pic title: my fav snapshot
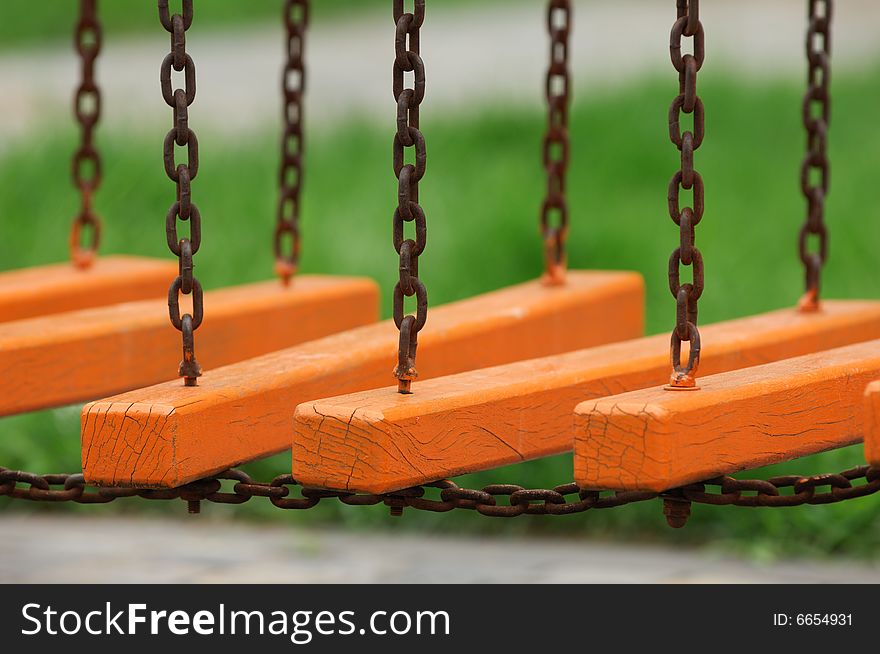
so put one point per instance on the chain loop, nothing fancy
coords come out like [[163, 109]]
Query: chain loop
[[556, 145], [817, 97], [85, 231], [687, 101], [167, 20], [407, 59], [182, 175]]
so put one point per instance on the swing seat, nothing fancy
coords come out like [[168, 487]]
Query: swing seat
[[379, 441], [872, 424], [54, 288], [656, 439], [168, 435], [79, 356]]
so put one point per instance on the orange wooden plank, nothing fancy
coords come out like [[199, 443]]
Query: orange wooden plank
[[168, 435], [655, 439], [81, 355], [44, 290], [380, 441], [872, 424]]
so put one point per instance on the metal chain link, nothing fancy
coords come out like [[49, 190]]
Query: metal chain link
[[182, 174], [556, 142], [816, 116], [86, 163], [686, 254], [520, 500], [408, 60], [293, 80]]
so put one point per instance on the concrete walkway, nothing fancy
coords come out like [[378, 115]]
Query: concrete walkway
[[40, 549], [491, 54]]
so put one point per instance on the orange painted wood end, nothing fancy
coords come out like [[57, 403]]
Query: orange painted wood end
[[655, 439], [872, 424], [56, 288], [82, 355], [168, 435], [380, 441]]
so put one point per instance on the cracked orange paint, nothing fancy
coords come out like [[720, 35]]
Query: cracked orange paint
[[498, 416], [655, 440], [245, 411]]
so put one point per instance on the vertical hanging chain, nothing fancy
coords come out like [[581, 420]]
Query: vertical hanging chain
[[556, 142], [816, 117], [407, 59], [296, 18], [686, 295], [182, 174], [86, 164]]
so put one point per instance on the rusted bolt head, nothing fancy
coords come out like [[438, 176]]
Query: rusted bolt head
[[677, 512]]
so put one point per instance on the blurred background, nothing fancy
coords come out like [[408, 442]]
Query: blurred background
[[483, 118]]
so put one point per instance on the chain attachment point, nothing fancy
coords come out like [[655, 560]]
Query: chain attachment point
[[683, 377], [556, 144], [815, 162], [407, 101], [286, 240], [183, 208]]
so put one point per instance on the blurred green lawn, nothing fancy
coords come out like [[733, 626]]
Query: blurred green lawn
[[481, 193]]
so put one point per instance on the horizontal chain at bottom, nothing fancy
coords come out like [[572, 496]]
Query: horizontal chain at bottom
[[790, 490]]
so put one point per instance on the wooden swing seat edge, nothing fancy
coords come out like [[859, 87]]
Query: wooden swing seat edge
[[872, 423], [379, 441], [247, 408], [655, 439], [60, 287], [80, 355]]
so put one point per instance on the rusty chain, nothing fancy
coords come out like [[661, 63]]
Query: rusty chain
[[293, 80], [182, 174], [686, 254], [556, 141], [817, 97], [784, 491], [86, 163], [408, 60]]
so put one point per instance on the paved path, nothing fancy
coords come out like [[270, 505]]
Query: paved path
[[481, 54], [124, 550]]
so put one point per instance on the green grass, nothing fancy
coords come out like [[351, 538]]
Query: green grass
[[481, 194]]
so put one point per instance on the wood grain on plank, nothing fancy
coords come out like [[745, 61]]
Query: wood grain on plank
[[167, 435], [380, 441], [81, 355], [872, 423], [44, 290], [655, 439]]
